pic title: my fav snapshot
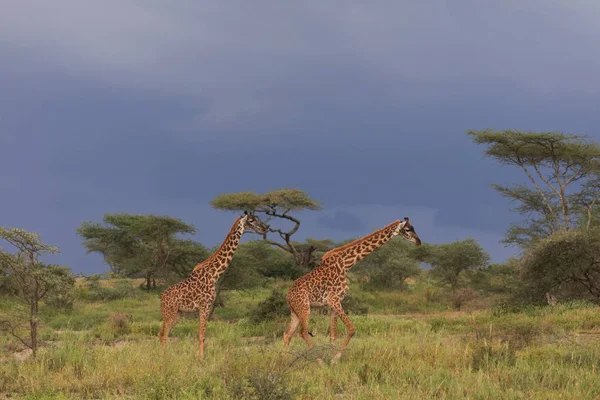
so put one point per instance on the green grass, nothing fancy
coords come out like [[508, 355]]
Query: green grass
[[537, 353]]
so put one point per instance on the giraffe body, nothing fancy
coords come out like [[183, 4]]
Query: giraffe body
[[327, 284], [197, 292]]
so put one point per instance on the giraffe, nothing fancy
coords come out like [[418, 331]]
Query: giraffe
[[197, 291], [327, 285]]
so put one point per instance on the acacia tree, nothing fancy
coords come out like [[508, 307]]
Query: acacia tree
[[278, 205], [390, 265], [449, 261], [146, 245], [31, 280], [562, 187]]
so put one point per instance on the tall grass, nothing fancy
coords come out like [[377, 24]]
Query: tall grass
[[109, 349]]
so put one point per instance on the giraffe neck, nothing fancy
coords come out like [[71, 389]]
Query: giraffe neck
[[218, 262], [353, 252]]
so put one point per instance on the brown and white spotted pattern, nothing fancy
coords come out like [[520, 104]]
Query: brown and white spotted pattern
[[197, 293], [327, 285]]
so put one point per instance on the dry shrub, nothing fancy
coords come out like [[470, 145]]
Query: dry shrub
[[120, 322], [463, 296]]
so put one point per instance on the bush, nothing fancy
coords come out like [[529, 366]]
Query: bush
[[463, 296], [262, 382], [61, 301], [94, 291], [354, 305], [120, 323], [273, 307], [565, 264]]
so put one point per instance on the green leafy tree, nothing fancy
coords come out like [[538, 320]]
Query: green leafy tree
[[32, 280], [450, 261], [562, 181], [144, 245], [268, 261], [389, 266], [498, 278], [277, 206]]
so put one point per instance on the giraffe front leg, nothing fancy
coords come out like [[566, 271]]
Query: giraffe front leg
[[337, 307], [332, 327], [204, 314]]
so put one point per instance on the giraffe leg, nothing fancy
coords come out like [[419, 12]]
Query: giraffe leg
[[337, 307], [332, 327], [204, 314], [289, 332], [303, 316], [170, 317]]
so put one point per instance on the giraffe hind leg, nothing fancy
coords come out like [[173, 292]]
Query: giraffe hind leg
[[332, 327], [291, 329], [304, 316], [300, 313], [170, 317]]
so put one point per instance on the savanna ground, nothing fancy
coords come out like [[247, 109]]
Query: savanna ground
[[409, 345]]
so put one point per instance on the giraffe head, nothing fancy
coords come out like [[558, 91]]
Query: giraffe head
[[408, 232], [254, 224]]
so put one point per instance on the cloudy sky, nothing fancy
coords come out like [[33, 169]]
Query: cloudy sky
[[156, 107]]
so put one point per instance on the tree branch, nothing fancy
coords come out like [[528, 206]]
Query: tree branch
[[6, 326], [539, 189], [278, 245]]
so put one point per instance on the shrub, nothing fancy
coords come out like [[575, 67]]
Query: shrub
[[94, 291], [273, 307], [120, 323], [463, 296], [62, 301], [354, 305]]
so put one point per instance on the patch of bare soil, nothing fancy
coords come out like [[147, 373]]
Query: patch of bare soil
[[119, 344], [23, 354]]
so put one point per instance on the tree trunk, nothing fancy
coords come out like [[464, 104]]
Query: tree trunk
[[305, 259], [33, 323], [148, 281]]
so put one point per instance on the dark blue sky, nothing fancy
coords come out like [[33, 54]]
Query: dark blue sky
[[144, 107]]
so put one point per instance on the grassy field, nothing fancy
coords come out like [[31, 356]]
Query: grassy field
[[407, 347]]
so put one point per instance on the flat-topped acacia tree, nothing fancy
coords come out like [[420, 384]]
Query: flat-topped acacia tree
[[279, 204], [563, 176]]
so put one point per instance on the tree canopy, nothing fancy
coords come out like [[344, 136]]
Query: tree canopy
[[278, 204], [31, 280], [144, 245], [562, 175], [389, 266], [450, 260]]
